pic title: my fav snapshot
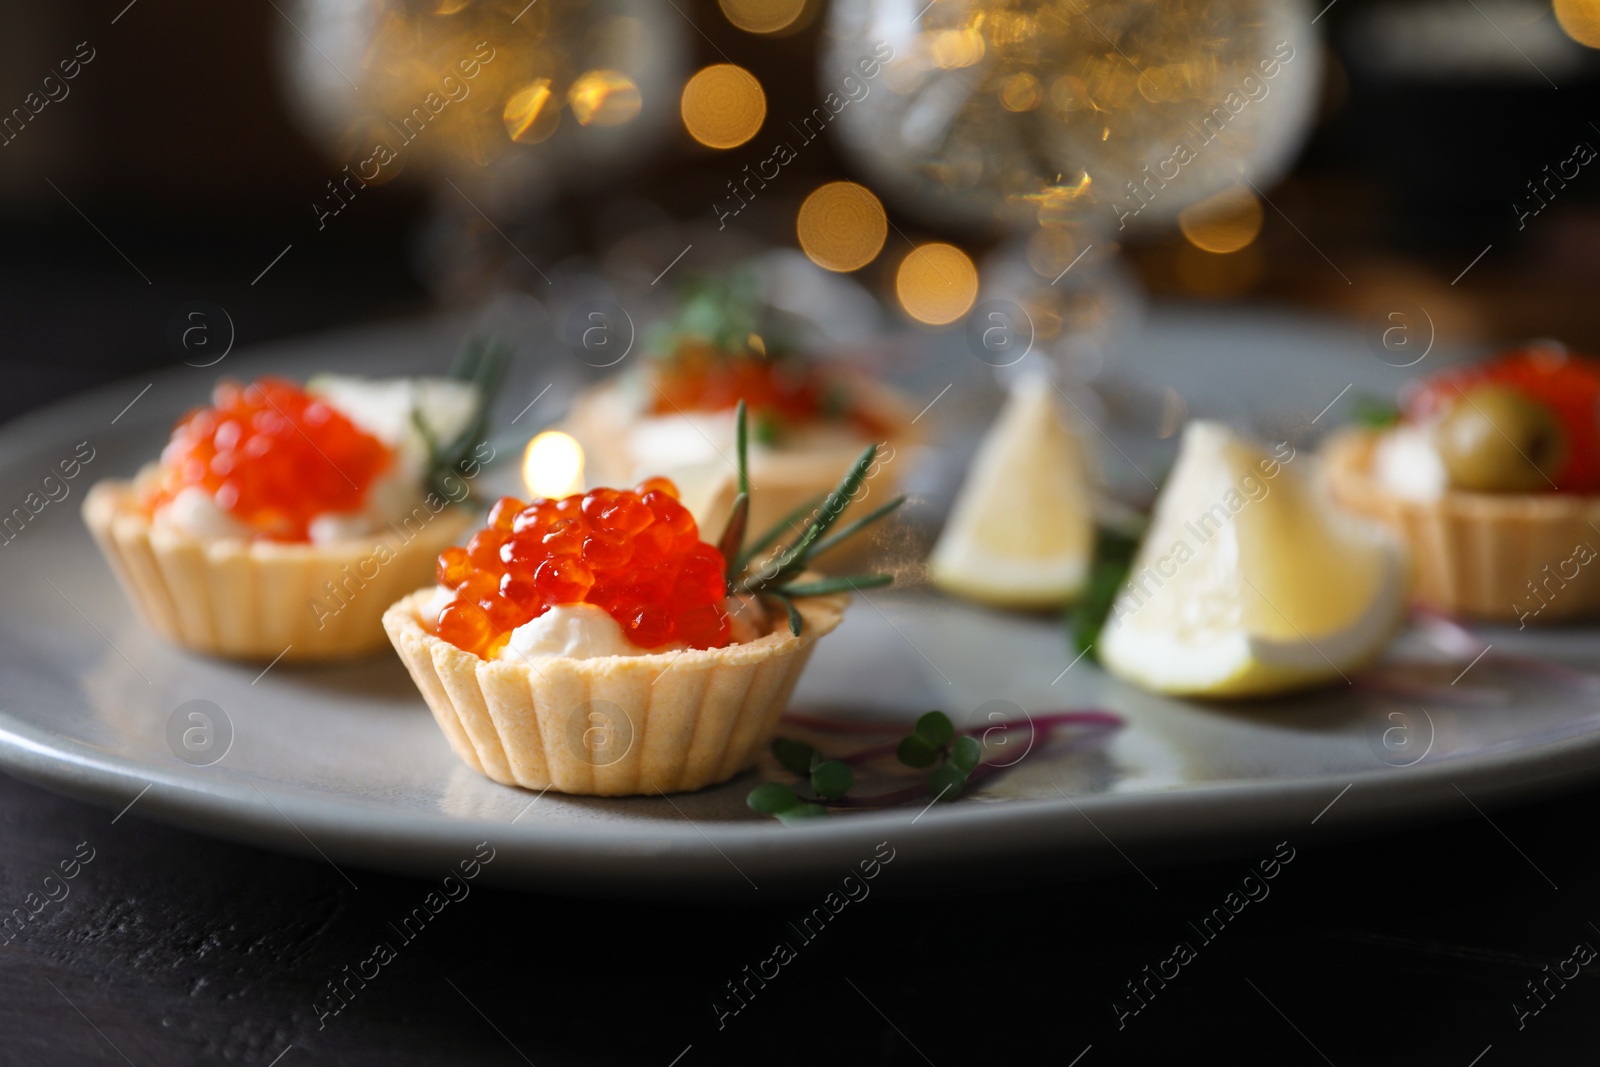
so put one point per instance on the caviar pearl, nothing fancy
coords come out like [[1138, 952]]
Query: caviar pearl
[[635, 554]]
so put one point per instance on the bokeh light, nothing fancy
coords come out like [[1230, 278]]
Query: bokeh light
[[1021, 92], [936, 283], [723, 106], [552, 466], [954, 49], [604, 98], [842, 226], [532, 113], [1218, 277], [1581, 20], [1051, 250], [1225, 222], [762, 16]]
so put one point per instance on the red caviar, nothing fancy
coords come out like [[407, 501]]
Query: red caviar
[[635, 553], [1569, 385], [273, 456], [793, 391]]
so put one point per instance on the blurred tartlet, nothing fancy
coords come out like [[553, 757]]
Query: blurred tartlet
[[673, 415], [1492, 477], [282, 520]]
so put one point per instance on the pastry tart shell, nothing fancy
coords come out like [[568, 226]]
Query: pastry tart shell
[[1501, 557], [255, 600], [783, 479], [611, 725]]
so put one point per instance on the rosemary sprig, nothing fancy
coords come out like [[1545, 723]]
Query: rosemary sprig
[[731, 543], [776, 577], [768, 539], [795, 621], [733, 534], [481, 362], [824, 586], [792, 559], [856, 527], [742, 447]]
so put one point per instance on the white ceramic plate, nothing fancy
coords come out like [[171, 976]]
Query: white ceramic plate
[[345, 761]]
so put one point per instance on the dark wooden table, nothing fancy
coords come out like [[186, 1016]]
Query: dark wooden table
[[1413, 948]]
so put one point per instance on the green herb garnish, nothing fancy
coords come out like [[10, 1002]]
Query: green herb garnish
[[933, 743], [722, 312], [776, 576], [1373, 413], [769, 430], [1114, 552], [482, 362], [933, 746]]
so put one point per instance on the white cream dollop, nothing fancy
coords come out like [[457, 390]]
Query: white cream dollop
[[1407, 462], [680, 439], [575, 631], [442, 598], [332, 527], [195, 513]]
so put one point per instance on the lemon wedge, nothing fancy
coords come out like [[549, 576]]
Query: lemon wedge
[[1250, 582], [1022, 529]]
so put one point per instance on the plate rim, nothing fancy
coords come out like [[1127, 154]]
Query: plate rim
[[595, 855]]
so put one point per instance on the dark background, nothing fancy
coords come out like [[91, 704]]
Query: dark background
[[176, 142], [1406, 948], [1409, 948]]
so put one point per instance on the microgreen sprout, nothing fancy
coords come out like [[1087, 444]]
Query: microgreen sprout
[[947, 760]]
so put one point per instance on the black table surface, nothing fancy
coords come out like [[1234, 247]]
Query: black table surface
[[1465, 942]]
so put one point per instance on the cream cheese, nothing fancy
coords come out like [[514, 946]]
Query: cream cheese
[[575, 631], [1407, 462], [195, 513]]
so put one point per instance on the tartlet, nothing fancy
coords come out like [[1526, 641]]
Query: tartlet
[[621, 437], [595, 645], [1492, 478], [281, 521], [1520, 557], [255, 599], [610, 725], [673, 414]]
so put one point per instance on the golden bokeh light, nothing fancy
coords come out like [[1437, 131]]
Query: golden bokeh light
[[953, 49], [842, 226], [1211, 276], [762, 16], [723, 106], [450, 7], [936, 283], [531, 113], [552, 466], [1070, 93], [1021, 92], [1581, 20], [604, 98], [1225, 222], [1052, 250]]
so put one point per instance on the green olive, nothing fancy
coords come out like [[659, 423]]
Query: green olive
[[1497, 440]]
